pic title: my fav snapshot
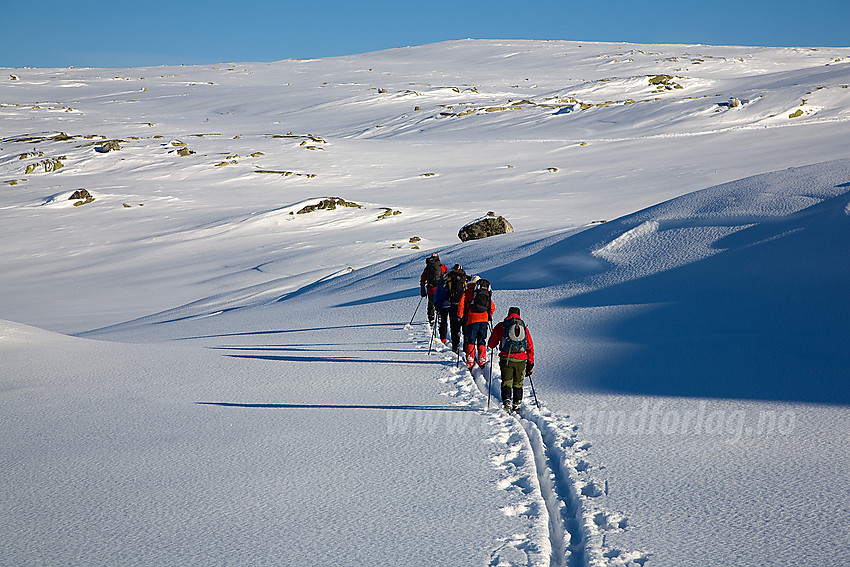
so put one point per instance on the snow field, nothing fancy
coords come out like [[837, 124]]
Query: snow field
[[273, 409], [140, 456]]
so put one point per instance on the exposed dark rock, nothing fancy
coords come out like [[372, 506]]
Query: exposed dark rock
[[108, 147], [328, 204], [482, 228], [82, 197], [388, 212], [48, 165]]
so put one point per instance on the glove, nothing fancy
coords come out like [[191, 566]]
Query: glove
[[529, 367], [422, 292]]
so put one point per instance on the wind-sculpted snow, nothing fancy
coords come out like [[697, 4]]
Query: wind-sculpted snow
[[723, 219], [746, 280]]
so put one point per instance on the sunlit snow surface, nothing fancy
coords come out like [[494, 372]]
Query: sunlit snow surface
[[193, 373]]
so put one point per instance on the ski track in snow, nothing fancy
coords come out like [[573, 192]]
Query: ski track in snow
[[543, 466]]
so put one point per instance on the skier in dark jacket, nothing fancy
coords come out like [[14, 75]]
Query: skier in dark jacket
[[429, 280], [455, 287], [516, 356], [443, 305]]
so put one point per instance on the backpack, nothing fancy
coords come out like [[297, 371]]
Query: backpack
[[433, 270], [514, 337], [441, 295], [480, 297], [455, 285]]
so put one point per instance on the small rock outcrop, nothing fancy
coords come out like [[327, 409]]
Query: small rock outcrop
[[108, 147], [490, 225], [82, 197], [48, 165], [329, 204]]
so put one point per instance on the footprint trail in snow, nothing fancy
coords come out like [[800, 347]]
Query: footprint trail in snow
[[544, 470]]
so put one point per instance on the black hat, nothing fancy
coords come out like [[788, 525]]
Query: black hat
[[513, 311], [457, 267]]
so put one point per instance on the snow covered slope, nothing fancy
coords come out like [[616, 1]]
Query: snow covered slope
[[543, 133], [275, 409]]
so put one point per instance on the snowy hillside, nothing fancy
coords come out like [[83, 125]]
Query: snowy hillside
[[199, 369]]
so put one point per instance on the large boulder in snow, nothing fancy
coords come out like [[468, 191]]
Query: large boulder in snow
[[484, 227]]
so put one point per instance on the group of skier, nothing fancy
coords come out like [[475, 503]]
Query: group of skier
[[457, 304]]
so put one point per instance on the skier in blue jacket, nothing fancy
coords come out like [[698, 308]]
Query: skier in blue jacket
[[442, 303]]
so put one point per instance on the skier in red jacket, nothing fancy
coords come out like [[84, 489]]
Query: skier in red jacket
[[516, 356]]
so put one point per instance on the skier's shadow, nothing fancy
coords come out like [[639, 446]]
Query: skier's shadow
[[345, 359], [338, 406], [316, 348], [288, 331]]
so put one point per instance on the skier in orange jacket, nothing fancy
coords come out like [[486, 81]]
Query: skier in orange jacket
[[476, 308]]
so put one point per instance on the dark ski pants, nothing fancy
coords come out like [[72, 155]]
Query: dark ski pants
[[443, 319], [431, 308], [455, 324], [513, 372], [476, 333]]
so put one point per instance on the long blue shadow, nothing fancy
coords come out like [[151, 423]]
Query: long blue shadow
[[287, 331], [345, 359], [381, 298], [338, 406], [766, 318], [314, 348]]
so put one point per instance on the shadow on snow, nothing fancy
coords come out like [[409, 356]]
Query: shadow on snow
[[339, 406], [766, 318], [345, 359], [287, 331]]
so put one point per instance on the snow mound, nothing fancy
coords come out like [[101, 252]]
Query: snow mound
[[626, 239], [736, 291]]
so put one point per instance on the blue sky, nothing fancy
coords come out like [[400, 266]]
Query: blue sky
[[156, 32]]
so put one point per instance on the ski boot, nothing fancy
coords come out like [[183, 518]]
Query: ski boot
[[470, 356], [506, 399], [482, 356], [517, 399]]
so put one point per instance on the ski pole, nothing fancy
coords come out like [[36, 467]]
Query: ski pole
[[533, 392], [461, 339], [490, 378], [415, 310], [433, 334]]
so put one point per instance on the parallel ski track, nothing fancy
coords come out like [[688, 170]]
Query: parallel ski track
[[570, 535], [569, 531]]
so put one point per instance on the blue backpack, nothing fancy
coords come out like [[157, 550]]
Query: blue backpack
[[442, 298]]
